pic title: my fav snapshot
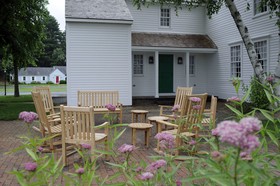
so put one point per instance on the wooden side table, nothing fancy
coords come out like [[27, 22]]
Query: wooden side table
[[140, 115], [153, 119], [140, 126]]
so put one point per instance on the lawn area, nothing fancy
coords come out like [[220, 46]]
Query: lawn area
[[11, 106], [29, 87]]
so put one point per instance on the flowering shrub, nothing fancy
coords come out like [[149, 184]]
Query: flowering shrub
[[28, 117]]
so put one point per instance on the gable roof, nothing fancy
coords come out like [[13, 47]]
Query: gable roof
[[40, 71], [146, 39], [97, 9]]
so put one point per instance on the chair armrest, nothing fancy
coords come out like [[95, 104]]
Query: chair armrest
[[160, 123], [104, 125]]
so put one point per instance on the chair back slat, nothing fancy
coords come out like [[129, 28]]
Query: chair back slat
[[192, 112], [180, 93], [47, 98], [77, 124]]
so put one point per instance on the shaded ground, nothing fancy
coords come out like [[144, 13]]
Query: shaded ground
[[11, 130]]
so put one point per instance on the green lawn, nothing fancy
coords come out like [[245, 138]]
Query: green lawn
[[11, 106], [29, 87]]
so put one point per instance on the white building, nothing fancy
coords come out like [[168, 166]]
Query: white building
[[149, 52], [42, 74]]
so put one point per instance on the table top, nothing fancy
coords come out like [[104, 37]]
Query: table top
[[139, 111], [140, 125], [154, 118]]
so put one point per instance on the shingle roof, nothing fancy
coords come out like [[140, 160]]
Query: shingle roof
[[40, 71], [172, 40], [97, 9]]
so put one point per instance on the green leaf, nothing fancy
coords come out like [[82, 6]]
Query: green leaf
[[32, 154], [268, 95], [237, 112], [272, 137], [119, 135], [267, 115]]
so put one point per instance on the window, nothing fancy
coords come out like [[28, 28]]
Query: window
[[44, 78], [33, 78], [165, 17], [191, 66], [138, 64], [235, 61], [24, 78], [261, 49], [259, 7]]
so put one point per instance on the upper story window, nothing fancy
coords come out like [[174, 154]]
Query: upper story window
[[165, 17], [235, 61], [138, 64], [191, 66], [259, 7], [261, 49]]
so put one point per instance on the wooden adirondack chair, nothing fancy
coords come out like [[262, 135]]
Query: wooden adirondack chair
[[180, 93], [189, 117]]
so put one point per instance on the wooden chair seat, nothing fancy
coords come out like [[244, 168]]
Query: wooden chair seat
[[98, 137], [175, 131]]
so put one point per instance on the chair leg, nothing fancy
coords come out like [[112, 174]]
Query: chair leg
[[106, 149], [92, 156], [121, 117], [64, 154]]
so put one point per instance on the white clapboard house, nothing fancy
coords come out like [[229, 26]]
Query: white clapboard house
[[42, 74], [150, 52]]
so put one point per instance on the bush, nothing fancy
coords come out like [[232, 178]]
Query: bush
[[35, 82], [62, 82], [49, 82], [257, 95]]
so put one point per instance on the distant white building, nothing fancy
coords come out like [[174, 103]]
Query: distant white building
[[42, 74]]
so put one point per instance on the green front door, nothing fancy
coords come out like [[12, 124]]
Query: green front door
[[165, 74]]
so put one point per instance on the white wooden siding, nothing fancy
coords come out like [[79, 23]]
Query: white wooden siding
[[222, 30], [187, 22], [98, 58]]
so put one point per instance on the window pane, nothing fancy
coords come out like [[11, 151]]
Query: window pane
[[261, 49], [165, 17], [235, 66], [138, 64]]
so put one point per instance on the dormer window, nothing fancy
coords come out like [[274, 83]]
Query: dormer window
[[165, 17], [259, 7]]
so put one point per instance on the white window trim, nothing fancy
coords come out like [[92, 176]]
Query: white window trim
[[256, 15], [241, 60], [267, 48], [138, 75], [194, 69], [169, 17]]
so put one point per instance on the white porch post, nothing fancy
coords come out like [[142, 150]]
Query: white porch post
[[187, 69], [156, 74]]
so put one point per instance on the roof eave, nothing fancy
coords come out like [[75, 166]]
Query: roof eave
[[91, 20]]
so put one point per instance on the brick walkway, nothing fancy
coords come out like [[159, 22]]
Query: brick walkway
[[11, 130]]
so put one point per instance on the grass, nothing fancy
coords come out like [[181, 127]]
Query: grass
[[29, 87], [11, 106]]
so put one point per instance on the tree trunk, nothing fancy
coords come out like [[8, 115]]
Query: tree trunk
[[16, 91], [243, 30]]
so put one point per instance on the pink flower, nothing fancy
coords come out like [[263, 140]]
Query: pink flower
[[40, 149], [139, 169], [110, 107], [192, 142], [178, 183], [239, 134], [216, 154], [270, 79], [195, 99], [80, 170], [146, 176], [126, 148], [196, 107], [166, 140], [30, 166], [234, 98], [250, 124], [175, 108], [156, 165], [28, 117], [86, 146]]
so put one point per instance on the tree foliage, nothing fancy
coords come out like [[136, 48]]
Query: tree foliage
[[54, 45], [22, 31]]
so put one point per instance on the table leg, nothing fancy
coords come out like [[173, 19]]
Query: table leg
[[134, 137]]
